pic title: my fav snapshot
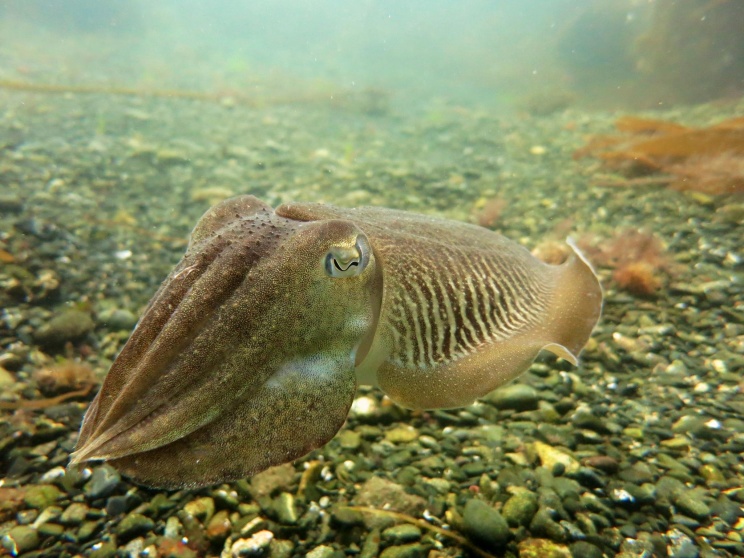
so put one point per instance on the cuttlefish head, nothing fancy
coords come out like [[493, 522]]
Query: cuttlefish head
[[245, 356]]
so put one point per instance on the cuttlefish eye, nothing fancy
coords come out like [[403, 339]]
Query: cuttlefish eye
[[348, 261]]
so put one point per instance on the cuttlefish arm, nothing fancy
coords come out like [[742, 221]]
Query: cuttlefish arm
[[250, 352]]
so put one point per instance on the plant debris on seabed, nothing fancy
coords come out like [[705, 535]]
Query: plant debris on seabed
[[708, 160]]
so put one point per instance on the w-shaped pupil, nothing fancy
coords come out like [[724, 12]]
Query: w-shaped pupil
[[353, 262]]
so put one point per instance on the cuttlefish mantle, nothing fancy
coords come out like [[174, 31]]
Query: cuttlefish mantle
[[251, 351]]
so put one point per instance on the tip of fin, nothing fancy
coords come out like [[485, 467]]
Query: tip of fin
[[562, 352]]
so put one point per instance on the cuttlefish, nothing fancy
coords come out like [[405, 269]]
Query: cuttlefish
[[250, 353]]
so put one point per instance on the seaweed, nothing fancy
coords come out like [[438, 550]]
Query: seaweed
[[637, 258], [708, 160]]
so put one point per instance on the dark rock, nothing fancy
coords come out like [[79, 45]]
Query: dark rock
[[485, 525], [543, 525], [133, 525], [690, 504], [102, 483], [518, 397], [583, 549], [10, 203], [727, 510], [401, 534], [71, 325]]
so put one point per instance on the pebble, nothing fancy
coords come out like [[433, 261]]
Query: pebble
[[255, 546], [404, 551], [583, 549], [75, 514], [70, 325], [520, 508], [485, 525], [41, 496], [518, 397], [285, 508], [378, 492], [133, 525], [401, 534], [349, 439], [102, 483], [21, 539], [118, 319], [201, 508], [541, 548], [692, 505], [401, 434], [550, 457]]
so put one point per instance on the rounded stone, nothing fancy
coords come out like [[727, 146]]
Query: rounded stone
[[691, 505], [41, 496], [485, 525], [201, 508], [520, 508], [70, 325], [518, 397], [133, 525], [404, 551], [21, 539], [401, 534], [102, 483]]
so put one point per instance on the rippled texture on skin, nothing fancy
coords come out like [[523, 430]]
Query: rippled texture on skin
[[249, 354]]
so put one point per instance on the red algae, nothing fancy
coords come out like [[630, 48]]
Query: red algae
[[708, 160], [637, 258]]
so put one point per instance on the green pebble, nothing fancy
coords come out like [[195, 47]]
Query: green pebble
[[401, 434], [51, 529], [321, 551], [520, 508], [400, 534], [371, 546], [105, 550], [67, 326], [41, 496], [345, 516], [712, 474], [518, 397], [87, 530], [133, 525], [201, 508], [691, 505], [75, 514], [404, 551], [280, 548], [541, 548], [349, 439], [583, 549], [485, 525], [21, 539], [285, 509], [634, 432], [543, 525], [160, 503]]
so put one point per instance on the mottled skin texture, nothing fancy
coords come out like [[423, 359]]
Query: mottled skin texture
[[250, 352]]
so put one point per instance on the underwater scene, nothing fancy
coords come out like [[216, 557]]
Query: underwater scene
[[424, 279]]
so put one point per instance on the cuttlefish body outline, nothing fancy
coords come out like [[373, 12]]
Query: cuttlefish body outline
[[250, 353]]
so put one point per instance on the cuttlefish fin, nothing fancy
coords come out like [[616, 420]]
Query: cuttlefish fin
[[572, 307]]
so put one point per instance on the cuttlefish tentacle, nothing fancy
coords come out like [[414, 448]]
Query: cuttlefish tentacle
[[250, 352]]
